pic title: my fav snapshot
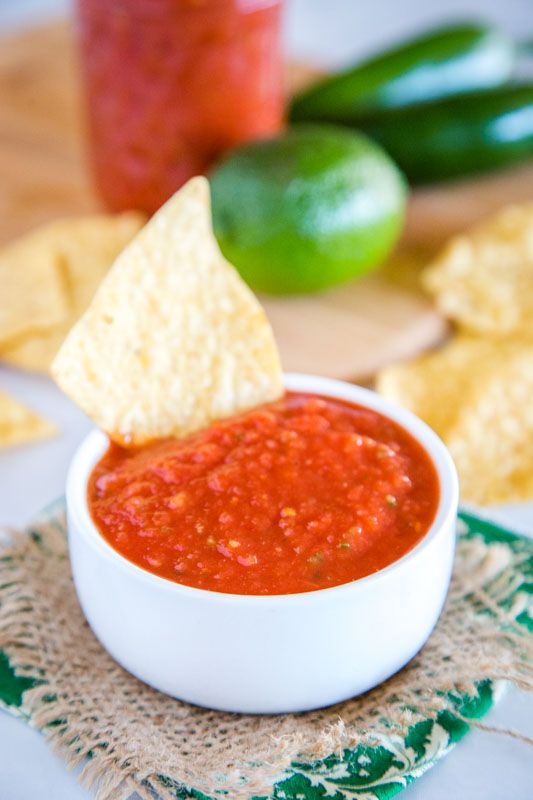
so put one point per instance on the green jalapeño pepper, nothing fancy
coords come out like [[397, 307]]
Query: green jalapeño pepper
[[457, 137], [441, 63]]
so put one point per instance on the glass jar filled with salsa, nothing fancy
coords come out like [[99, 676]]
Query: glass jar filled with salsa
[[171, 85]]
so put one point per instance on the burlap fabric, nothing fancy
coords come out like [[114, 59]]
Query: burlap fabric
[[131, 738]]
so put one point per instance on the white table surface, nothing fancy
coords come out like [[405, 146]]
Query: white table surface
[[483, 766]]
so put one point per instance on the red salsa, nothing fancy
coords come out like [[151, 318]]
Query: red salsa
[[171, 85], [301, 494]]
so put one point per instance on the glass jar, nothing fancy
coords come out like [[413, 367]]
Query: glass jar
[[171, 85]]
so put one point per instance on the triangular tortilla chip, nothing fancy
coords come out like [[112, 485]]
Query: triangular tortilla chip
[[173, 338], [483, 279], [18, 424], [476, 394], [33, 296], [83, 249]]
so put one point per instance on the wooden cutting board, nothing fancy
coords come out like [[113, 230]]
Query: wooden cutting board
[[349, 332]]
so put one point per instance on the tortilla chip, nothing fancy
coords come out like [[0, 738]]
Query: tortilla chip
[[88, 247], [476, 394], [18, 424], [85, 248], [483, 280], [173, 338], [36, 353], [32, 293]]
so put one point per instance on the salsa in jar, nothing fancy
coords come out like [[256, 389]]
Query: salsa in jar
[[171, 85], [301, 494]]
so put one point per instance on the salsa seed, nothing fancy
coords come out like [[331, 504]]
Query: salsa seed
[[286, 436], [223, 550], [177, 500], [247, 561], [343, 545], [391, 500], [288, 512], [384, 451], [355, 530], [234, 543]]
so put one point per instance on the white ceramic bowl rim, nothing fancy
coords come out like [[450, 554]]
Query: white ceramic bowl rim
[[94, 445]]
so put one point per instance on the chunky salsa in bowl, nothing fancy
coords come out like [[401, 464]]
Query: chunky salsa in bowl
[[281, 560], [305, 493]]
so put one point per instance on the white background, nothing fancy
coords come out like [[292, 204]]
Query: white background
[[483, 766]]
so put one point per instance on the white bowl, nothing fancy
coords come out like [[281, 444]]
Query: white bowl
[[265, 654]]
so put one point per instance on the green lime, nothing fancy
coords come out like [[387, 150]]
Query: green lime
[[308, 209]]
